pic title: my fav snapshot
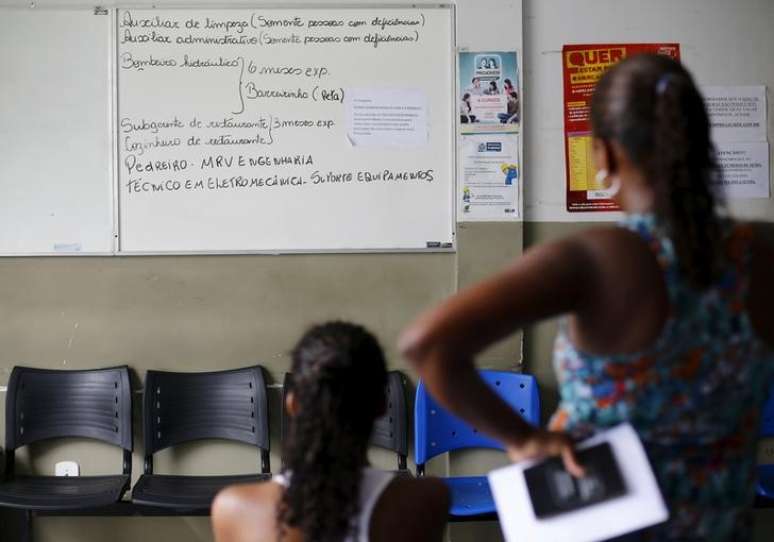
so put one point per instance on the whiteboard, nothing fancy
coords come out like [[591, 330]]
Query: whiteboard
[[56, 152], [235, 131]]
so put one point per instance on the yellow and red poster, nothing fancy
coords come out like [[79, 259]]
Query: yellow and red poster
[[583, 65]]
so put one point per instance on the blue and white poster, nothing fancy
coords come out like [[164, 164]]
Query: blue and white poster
[[489, 92], [490, 187]]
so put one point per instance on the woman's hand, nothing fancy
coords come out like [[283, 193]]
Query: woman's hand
[[540, 443]]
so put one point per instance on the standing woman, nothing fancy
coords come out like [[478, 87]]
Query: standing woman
[[668, 314], [327, 492]]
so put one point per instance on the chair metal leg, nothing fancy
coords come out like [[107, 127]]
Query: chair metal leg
[[26, 527]]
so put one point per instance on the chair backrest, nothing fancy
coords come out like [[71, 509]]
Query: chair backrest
[[181, 407], [437, 431], [287, 383], [390, 430], [767, 416], [43, 404]]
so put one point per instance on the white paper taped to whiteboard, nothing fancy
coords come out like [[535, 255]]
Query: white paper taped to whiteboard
[[386, 117]]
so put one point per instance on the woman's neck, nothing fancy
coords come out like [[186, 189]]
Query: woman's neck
[[635, 196]]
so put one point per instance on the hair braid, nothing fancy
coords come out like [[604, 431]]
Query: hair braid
[[684, 161], [651, 106], [338, 382]]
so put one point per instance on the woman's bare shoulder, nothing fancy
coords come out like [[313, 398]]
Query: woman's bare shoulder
[[411, 509], [610, 249], [247, 512]]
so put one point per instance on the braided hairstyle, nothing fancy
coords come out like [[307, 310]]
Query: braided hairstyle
[[650, 105], [338, 381]]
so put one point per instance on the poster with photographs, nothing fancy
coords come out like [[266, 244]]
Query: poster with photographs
[[489, 92]]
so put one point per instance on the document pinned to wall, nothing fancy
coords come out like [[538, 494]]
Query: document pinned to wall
[[736, 113], [640, 504], [583, 66], [745, 168], [490, 188], [378, 117], [490, 95], [738, 120]]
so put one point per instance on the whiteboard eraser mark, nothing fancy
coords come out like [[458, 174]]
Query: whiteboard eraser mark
[[67, 247]]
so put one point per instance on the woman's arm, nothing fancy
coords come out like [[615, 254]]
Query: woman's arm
[[548, 280]]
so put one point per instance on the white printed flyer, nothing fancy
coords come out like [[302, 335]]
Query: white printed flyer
[[490, 188], [738, 119], [745, 167]]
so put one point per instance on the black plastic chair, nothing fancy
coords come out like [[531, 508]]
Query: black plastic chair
[[390, 430], [183, 407], [45, 404]]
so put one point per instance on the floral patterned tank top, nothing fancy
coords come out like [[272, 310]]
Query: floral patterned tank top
[[694, 396]]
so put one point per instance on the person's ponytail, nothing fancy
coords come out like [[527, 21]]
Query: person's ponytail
[[651, 106], [324, 460], [683, 170], [338, 386]]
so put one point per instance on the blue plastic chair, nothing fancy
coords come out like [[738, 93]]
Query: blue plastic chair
[[766, 472], [437, 432]]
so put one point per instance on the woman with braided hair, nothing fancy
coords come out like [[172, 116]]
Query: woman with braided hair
[[667, 316], [327, 492]]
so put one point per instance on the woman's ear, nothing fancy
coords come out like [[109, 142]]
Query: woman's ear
[[291, 404]]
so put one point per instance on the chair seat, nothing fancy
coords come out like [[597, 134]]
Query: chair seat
[[62, 492], [470, 495], [766, 481], [185, 492]]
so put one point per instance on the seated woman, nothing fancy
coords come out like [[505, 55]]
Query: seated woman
[[669, 324], [512, 116], [327, 492], [465, 109]]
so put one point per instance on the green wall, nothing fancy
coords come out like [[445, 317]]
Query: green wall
[[203, 313], [216, 312]]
